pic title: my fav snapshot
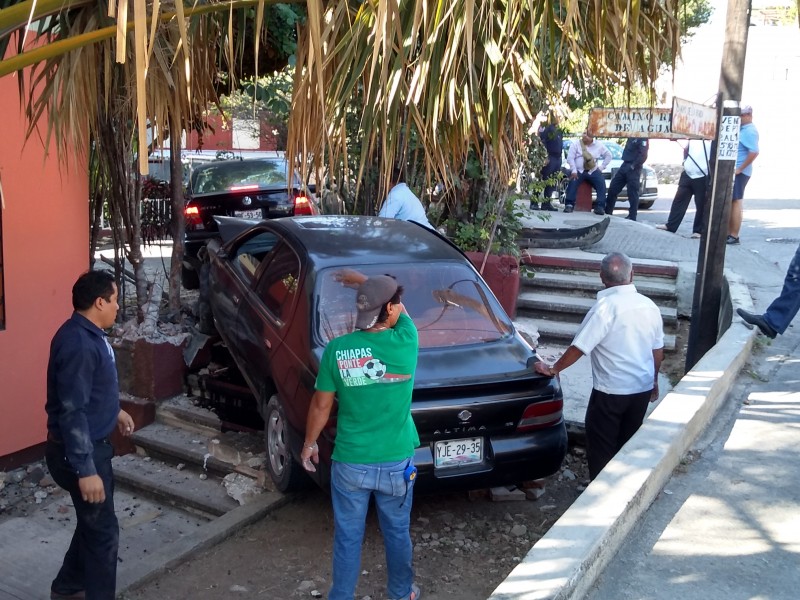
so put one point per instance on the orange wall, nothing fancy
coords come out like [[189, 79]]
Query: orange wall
[[45, 246]]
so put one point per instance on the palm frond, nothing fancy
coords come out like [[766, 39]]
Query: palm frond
[[458, 76]]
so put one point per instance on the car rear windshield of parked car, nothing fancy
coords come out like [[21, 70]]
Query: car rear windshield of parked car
[[228, 175], [449, 304]]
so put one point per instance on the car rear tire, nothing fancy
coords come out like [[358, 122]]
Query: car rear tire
[[646, 205], [286, 473]]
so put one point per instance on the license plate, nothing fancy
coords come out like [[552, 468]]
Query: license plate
[[456, 453], [248, 214]]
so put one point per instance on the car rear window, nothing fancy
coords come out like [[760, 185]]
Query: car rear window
[[449, 304], [228, 175]]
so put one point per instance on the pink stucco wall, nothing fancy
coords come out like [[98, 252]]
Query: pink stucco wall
[[45, 247]]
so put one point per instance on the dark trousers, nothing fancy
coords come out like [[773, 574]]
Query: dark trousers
[[626, 175], [611, 420], [784, 308], [688, 187], [552, 167], [90, 563], [595, 179]]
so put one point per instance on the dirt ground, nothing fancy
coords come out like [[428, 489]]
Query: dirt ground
[[464, 546]]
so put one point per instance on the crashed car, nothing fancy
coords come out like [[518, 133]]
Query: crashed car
[[484, 417]]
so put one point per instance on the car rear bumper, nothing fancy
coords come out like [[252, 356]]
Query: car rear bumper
[[508, 460]]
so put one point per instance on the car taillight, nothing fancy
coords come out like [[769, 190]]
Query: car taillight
[[541, 415], [303, 205], [192, 214]]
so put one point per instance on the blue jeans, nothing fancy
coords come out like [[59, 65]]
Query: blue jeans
[[595, 179], [352, 486], [90, 563], [784, 308]]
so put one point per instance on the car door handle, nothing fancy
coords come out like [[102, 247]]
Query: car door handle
[[267, 343], [234, 298]]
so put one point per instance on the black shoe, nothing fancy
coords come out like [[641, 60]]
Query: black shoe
[[758, 321], [599, 211], [534, 206], [548, 206], [568, 208], [731, 241]]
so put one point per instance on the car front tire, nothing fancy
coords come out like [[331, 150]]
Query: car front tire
[[286, 473]]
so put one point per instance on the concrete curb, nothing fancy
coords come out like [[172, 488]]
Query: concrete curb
[[171, 555], [565, 563]]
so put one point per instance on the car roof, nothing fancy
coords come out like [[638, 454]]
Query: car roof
[[215, 164], [337, 240]]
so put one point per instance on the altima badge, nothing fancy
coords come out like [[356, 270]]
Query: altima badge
[[465, 416], [247, 200]]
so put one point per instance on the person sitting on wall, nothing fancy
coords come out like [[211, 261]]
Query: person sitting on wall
[[587, 158]]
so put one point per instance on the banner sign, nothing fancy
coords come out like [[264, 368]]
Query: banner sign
[[694, 120], [653, 123], [728, 143]]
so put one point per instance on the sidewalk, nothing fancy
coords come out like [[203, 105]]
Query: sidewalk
[[727, 526]]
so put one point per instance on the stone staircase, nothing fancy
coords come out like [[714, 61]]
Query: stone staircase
[[185, 460], [557, 290]]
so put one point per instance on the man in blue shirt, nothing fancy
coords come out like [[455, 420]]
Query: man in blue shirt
[[748, 151], [82, 411], [401, 203]]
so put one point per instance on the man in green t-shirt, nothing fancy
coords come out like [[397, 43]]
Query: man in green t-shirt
[[371, 374]]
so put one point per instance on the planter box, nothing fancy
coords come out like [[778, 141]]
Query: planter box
[[154, 371], [501, 274]]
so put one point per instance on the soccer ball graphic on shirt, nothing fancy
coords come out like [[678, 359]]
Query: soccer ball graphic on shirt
[[374, 369]]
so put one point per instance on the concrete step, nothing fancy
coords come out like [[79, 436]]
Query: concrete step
[[186, 413], [222, 453], [574, 306], [188, 488], [562, 333], [660, 290], [581, 261]]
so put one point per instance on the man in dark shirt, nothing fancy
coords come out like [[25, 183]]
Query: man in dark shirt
[[553, 142], [82, 410], [630, 173]]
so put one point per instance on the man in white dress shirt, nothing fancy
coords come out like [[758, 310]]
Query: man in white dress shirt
[[624, 337]]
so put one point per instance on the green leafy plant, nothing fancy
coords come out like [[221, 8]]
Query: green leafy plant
[[495, 228]]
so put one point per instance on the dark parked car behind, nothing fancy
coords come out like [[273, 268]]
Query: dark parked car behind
[[483, 417], [255, 188]]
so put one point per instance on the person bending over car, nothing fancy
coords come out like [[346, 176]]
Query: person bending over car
[[371, 373], [402, 203]]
